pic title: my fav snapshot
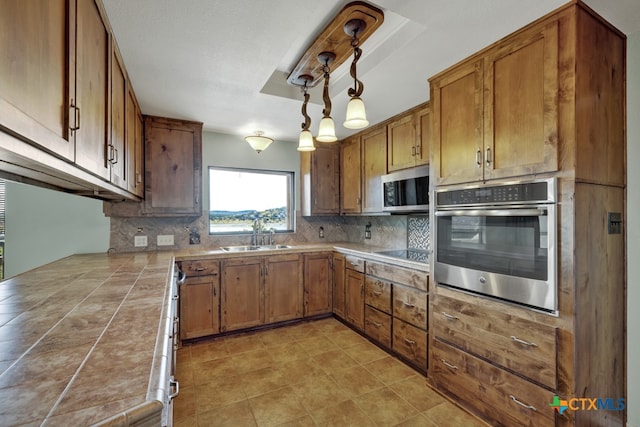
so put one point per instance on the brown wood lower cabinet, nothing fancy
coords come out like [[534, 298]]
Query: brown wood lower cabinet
[[410, 342], [318, 292], [199, 307], [377, 325], [485, 387], [282, 288], [339, 307], [242, 303], [199, 299], [354, 289]]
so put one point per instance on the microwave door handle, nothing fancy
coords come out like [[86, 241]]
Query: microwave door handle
[[493, 212]]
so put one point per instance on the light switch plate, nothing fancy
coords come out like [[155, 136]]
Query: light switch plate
[[165, 240]]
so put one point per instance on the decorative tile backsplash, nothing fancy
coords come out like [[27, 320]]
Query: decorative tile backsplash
[[388, 231], [418, 232]]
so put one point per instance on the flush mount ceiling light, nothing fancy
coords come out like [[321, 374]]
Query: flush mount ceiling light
[[327, 129], [356, 115], [305, 143], [258, 142]]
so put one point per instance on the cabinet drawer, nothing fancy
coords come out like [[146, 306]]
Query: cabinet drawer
[[377, 325], [377, 293], [523, 346], [410, 305], [410, 342], [354, 263], [204, 267], [405, 276], [501, 396]]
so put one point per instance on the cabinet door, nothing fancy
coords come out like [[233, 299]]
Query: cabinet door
[[317, 284], [91, 89], [282, 288], [350, 180], [242, 300], [521, 109], [456, 101], [117, 149], [402, 143], [339, 285], [173, 153], [423, 122], [354, 284], [325, 179], [199, 307], [134, 145], [320, 180], [34, 72], [374, 165]]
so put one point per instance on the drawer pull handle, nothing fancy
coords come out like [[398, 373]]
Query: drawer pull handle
[[449, 365], [524, 405], [523, 342], [408, 304], [410, 342], [200, 268], [449, 316], [377, 292], [376, 324]]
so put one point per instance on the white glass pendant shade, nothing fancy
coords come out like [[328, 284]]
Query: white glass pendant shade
[[327, 130], [305, 143], [258, 142], [356, 115]]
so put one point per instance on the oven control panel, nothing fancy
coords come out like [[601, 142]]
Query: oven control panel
[[511, 193]]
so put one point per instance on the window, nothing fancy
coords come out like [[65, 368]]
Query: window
[[240, 197]]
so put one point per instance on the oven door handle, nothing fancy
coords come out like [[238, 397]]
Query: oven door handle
[[494, 212]]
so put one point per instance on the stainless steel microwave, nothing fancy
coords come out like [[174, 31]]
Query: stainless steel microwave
[[406, 190]]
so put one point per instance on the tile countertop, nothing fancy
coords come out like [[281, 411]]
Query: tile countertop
[[363, 251], [78, 339]]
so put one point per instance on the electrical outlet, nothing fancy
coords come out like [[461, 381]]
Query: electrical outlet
[[140, 241], [165, 240]]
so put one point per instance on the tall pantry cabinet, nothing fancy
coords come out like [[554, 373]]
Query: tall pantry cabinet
[[546, 101]]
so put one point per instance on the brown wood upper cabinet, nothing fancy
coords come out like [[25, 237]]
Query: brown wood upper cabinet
[[56, 71], [496, 114], [408, 139], [320, 180], [64, 87], [362, 163], [173, 167]]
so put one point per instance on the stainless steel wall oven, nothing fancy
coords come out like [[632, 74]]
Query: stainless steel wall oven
[[499, 240]]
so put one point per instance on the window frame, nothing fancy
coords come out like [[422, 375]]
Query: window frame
[[290, 175]]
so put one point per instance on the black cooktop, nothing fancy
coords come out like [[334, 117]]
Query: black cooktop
[[417, 255]]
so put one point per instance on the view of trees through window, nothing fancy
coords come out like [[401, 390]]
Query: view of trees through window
[[238, 198]]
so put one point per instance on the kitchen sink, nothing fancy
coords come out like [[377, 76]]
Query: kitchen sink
[[245, 248]]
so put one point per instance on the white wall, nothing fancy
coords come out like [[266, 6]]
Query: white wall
[[44, 225], [633, 229], [233, 151]]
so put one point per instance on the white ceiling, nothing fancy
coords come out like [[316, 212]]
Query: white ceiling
[[225, 62]]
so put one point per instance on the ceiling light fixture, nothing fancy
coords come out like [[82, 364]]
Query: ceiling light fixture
[[305, 143], [326, 129], [258, 142], [356, 115]]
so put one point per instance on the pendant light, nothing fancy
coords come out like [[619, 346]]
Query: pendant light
[[258, 142], [356, 115], [326, 129], [305, 143]]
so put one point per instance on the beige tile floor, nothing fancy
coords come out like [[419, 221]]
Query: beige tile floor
[[319, 373]]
